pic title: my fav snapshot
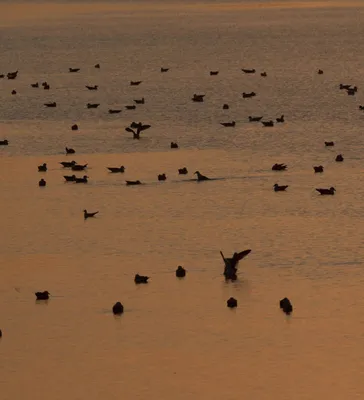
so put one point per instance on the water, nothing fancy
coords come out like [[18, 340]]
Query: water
[[177, 338]]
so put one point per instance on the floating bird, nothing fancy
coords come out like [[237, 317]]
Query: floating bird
[[118, 308], [164, 69], [78, 167], [280, 119], [70, 151], [183, 171], [12, 75], [92, 105], [268, 123], [318, 169], [174, 145], [95, 87], [361, 107], [264, 74], [4, 142], [112, 111], [42, 168], [89, 215], [116, 169], [228, 124], [130, 183], [130, 107], [139, 101], [254, 119], [231, 264], [201, 177], [329, 144], [286, 306], [13, 92], [97, 66], [180, 272], [2, 76], [34, 85], [162, 177], [81, 180], [73, 69], [68, 164], [46, 86], [141, 279], [232, 303], [74, 128], [339, 158], [42, 295], [198, 98], [320, 71], [70, 178], [225, 107], [248, 95], [214, 72], [135, 83], [50, 105], [279, 167], [42, 183], [278, 188], [248, 71], [330, 191], [344, 87]]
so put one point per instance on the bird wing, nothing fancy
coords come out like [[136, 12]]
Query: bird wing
[[129, 130], [243, 254], [144, 127]]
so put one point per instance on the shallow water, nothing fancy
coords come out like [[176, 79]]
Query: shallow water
[[176, 337]]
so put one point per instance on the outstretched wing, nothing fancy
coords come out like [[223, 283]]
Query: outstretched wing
[[129, 130], [243, 254], [144, 127]]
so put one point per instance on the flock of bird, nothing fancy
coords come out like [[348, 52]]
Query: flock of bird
[[136, 128]]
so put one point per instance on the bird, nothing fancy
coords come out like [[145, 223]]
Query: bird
[[95, 87], [329, 144], [140, 279], [320, 71], [88, 214], [228, 124], [339, 158], [77, 167], [280, 119], [42, 168], [34, 85], [232, 303], [231, 264], [183, 171], [286, 306], [135, 83], [51, 104], [68, 164], [74, 127], [139, 128], [114, 111], [278, 188], [130, 107], [248, 71], [42, 183], [92, 105], [131, 183], [164, 69], [254, 119], [70, 151], [180, 272], [81, 180], [69, 178], [268, 123], [139, 101], [279, 167], [73, 69], [116, 169], [198, 98], [201, 177], [4, 142], [118, 308], [214, 72], [174, 145], [318, 169], [42, 295], [162, 177], [330, 191]]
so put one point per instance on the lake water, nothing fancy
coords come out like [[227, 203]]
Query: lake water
[[177, 339]]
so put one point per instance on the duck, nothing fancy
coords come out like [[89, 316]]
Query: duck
[[279, 167], [92, 105], [183, 171], [228, 124], [248, 71], [4, 142], [68, 164], [46, 86], [12, 75], [329, 144], [2, 76], [130, 183], [42, 183], [286, 306], [95, 87], [174, 145], [248, 95], [42, 168], [268, 123], [140, 279], [130, 107], [69, 178], [351, 91], [162, 177], [198, 98], [180, 272], [51, 104], [81, 180], [225, 107], [13, 92], [201, 177], [42, 295], [139, 128], [339, 158], [231, 264], [88, 214], [78, 167], [320, 71], [214, 72], [318, 169], [116, 169], [140, 101], [164, 69], [232, 302], [34, 85], [254, 119], [135, 83], [278, 188], [263, 74], [70, 150], [280, 119], [114, 111], [118, 308], [97, 66], [73, 69], [74, 127], [361, 108], [330, 191], [344, 87]]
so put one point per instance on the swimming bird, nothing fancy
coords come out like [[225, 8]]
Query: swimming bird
[[42, 183], [130, 107], [68, 164], [97, 65], [228, 124], [131, 183], [344, 87], [339, 158], [92, 105], [116, 169], [278, 188], [2, 76], [320, 71], [70, 151], [201, 177], [139, 101], [279, 167], [34, 85], [42, 168], [135, 83], [88, 214], [13, 92], [4, 142], [183, 171], [74, 127], [286, 306], [268, 123], [174, 145], [214, 72], [81, 180], [248, 95], [231, 264], [318, 169], [198, 98], [329, 144], [46, 86], [78, 167], [248, 71], [42, 295], [232, 302], [280, 119], [12, 75], [361, 107], [225, 107], [140, 279], [254, 119], [164, 69], [73, 69], [113, 111], [51, 105], [330, 191], [180, 272], [162, 177], [69, 178], [95, 87], [118, 308], [263, 74]]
